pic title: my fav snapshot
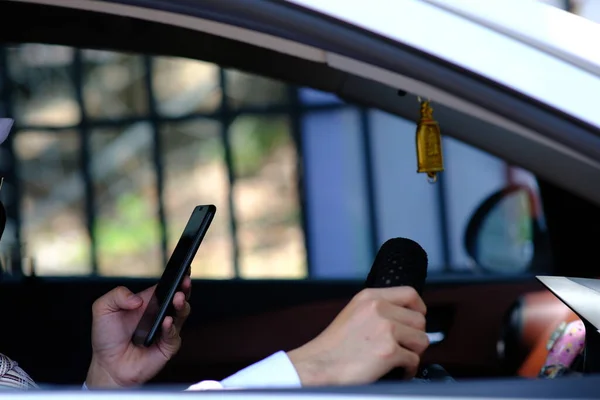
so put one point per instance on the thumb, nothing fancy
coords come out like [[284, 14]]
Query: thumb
[[116, 300]]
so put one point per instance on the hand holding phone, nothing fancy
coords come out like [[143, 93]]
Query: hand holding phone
[[160, 304]]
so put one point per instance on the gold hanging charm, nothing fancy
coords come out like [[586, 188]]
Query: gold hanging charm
[[429, 144]]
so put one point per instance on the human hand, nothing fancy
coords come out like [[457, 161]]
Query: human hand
[[116, 361], [380, 329]]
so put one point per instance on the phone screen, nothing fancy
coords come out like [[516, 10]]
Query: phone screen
[[174, 272]]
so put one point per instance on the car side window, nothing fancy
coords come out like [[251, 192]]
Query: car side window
[[111, 152]]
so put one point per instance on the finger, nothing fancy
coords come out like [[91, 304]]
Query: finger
[[411, 339], [178, 301], [404, 359], [404, 296], [409, 361], [169, 336], [167, 327], [182, 315], [170, 341], [186, 287], [403, 315], [117, 299]]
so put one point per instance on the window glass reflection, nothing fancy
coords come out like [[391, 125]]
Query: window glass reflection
[[52, 202], [127, 228], [113, 84], [42, 85], [195, 173], [273, 167], [266, 198], [184, 86], [252, 91]]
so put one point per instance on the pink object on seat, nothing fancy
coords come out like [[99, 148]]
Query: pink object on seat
[[565, 344]]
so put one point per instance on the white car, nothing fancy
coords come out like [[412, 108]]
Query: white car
[[516, 79]]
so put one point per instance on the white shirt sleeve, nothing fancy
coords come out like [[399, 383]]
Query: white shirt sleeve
[[275, 371]]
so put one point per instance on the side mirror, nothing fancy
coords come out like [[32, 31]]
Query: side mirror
[[506, 233]]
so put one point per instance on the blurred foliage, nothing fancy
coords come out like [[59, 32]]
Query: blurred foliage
[[211, 150], [79, 252], [253, 139], [128, 230], [525, 233]]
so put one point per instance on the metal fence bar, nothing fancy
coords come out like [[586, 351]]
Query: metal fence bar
[[85, 158], [157, 158], [232, 114], [225, 138]]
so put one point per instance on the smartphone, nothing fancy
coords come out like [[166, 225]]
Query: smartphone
[[161, 302]]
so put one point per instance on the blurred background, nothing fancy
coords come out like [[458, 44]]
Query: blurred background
[[111, 152]]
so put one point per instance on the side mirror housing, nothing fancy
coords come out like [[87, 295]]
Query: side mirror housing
[[506, 234]]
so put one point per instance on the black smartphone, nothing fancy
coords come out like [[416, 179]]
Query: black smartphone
[[160, 304]]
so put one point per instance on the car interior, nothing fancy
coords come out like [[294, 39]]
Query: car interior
[[122, 126]]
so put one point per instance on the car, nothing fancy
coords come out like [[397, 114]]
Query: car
[[93, 199]]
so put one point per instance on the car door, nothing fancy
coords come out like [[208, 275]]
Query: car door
[[115, 142]]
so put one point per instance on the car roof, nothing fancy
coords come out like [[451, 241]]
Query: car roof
[[491, 40], [530, 104], [567, 36]]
